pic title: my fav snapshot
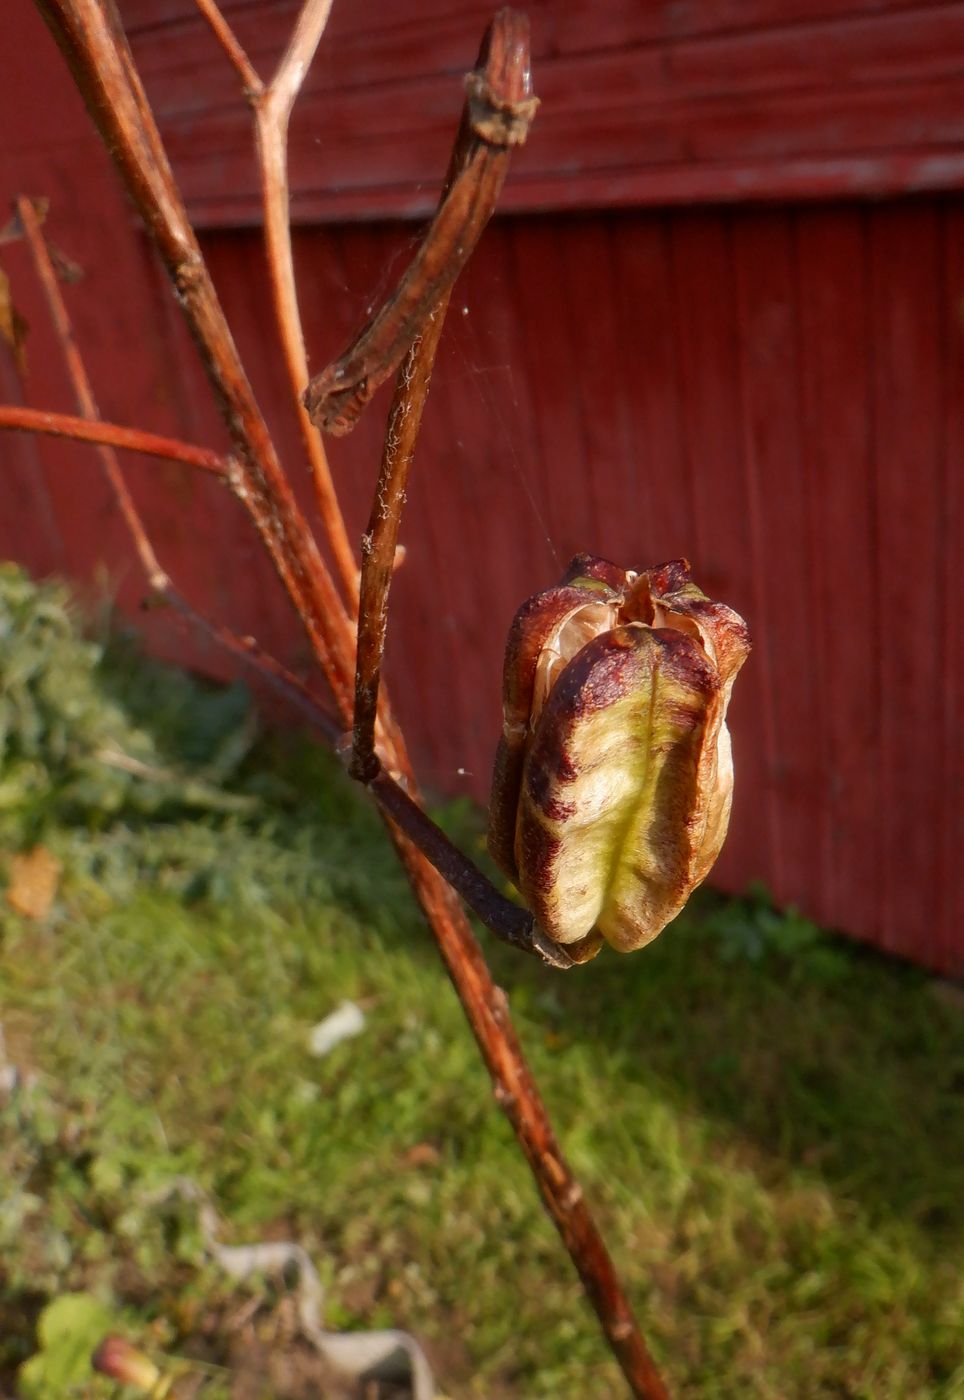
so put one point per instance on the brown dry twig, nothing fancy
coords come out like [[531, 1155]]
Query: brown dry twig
[[65, 425], [497, 115], [94, 45], [108, 436], [272, 104]]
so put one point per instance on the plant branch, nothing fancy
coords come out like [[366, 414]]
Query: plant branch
[[496, 118], [272, 107], [65, 425], [380, 540], [272, 111], [96, 50], [251, 84], [249, 651], [109, 436], [39, 252]]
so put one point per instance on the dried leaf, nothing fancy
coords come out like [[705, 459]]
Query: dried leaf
[[421, 1154], [34, 876]]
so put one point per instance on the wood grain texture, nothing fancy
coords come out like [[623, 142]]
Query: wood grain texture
[[776, 393], [666, 102]]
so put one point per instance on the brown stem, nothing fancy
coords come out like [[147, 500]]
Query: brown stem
[[381, 538], [506, 920], [272, 110], [499, 110], [251, 84], [516, 1093], [37, 243], [98, 55], [96, 50], [65, 425]]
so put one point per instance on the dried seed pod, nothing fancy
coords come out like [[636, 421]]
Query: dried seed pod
[[613, 779]]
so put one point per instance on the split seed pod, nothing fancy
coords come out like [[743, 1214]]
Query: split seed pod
[[613, 779]]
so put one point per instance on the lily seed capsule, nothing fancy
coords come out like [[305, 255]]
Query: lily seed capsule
[[613, 778]]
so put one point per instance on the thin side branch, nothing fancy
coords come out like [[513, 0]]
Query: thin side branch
[[251, 84], [65, 425], [110, 436], [96, 49], [249, 651], [290, 74], [498, 113], [84, 394], [272, 112]]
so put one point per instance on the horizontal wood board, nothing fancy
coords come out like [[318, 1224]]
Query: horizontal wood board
[[657, 103]]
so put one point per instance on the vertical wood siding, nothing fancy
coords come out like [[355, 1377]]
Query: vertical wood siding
[[776, 393], [769, 394]]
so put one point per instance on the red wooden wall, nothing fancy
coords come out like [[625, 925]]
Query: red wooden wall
[[776, 391]]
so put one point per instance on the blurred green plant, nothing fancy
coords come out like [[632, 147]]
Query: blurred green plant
[[70, 745], [68, 1332], [776, 1139], [753, 929]]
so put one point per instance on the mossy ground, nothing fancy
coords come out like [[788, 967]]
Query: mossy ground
[[766, 1119]]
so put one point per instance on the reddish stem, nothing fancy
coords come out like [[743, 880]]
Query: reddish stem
[[84, 394], [90, 37], [65, 425]]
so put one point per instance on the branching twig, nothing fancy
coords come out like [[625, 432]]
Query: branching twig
[[88, 33], [92, 429], [250, 652], [510, 82], [272, 106], [498, 112], [251, 84], [65, 425], [33, 232], [96, 49]]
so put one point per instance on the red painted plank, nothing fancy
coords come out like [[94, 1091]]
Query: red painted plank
[[905, 340], [641, 104], [777, 501], [539, 279], [703, 323], [831, 52], [494, 425], [841, 508], [948, 945], [645, 375], [591, 294]]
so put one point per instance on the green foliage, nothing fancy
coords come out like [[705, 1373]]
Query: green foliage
[[752, 929], [88, 734], [772, 1140], [68, 1331]]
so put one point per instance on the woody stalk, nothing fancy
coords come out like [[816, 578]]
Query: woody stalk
[[496, 115]]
